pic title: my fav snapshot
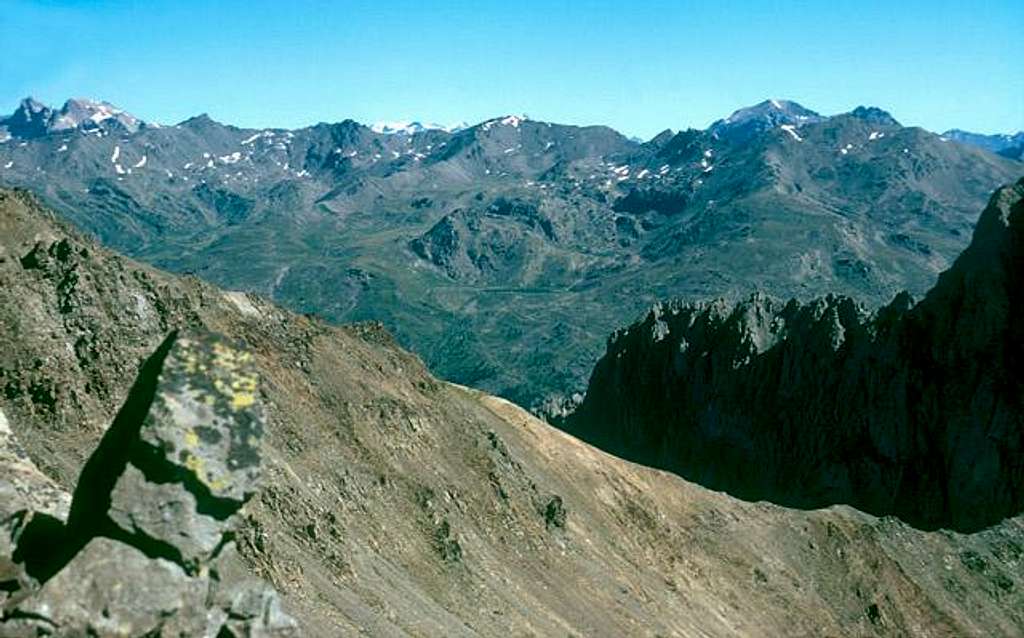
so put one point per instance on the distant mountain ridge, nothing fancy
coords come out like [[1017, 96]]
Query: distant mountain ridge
[[34, 119], [994, 143], [408, 127], [504, 252]]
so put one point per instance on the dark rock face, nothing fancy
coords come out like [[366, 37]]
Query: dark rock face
[[148, 543], [915, 411]]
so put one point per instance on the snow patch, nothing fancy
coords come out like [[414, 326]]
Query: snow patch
[[117, 154], [141, 162], [509, 120], [789, 128], [256, 136]]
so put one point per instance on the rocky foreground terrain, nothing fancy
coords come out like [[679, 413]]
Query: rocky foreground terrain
[[395, 504], [505, 252], [146, 544]]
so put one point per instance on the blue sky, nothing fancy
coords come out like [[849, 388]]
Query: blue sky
[[639, 67]]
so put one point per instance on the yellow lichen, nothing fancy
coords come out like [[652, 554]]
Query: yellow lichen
[[242, 400], [195, 465]]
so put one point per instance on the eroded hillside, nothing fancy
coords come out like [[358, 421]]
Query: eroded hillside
[[395, 504]]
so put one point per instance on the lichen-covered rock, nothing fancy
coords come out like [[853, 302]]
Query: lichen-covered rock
[[148, 546], [196, 458]]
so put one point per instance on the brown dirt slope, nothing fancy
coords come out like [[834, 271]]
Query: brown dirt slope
[[398, 505]]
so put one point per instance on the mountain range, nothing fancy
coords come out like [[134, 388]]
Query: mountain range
[[504, 252]]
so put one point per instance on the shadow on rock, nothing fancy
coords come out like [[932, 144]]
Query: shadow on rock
[[916, 411], [146, 544]]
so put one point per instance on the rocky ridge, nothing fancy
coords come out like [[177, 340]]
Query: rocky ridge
[[916, 410]]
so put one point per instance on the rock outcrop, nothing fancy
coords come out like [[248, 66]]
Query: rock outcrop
[[145, 546], [915, 411]]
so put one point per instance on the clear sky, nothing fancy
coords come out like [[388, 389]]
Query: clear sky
[[637, 66]]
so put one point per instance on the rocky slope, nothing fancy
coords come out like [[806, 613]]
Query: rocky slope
[[504, 252], [394, 504], [915, 411]]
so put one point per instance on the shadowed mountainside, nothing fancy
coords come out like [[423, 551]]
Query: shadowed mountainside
[[915, 411]]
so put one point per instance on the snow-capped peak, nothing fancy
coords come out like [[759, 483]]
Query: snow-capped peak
[[78, 112], [747, 122], [507, 120], [772, 109], [34, 119], [403, 127]]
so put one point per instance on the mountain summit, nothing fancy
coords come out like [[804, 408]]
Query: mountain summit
[[748, 122], [34, 119]]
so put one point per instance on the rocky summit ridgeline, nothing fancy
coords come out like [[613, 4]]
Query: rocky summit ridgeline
[[915, 411], [146, 544]]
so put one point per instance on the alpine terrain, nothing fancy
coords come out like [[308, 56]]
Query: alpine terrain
[[503, 252], [259, 472]]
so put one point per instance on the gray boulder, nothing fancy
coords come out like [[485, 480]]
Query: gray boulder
[[147, 548]]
